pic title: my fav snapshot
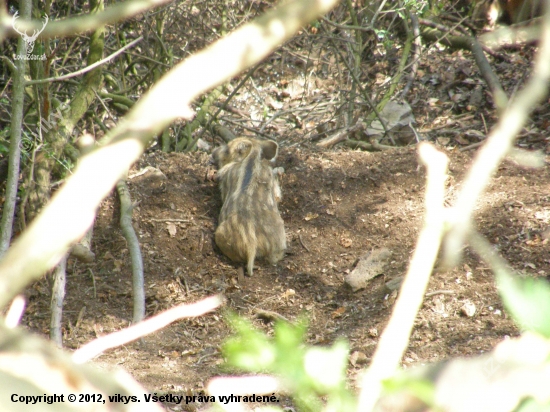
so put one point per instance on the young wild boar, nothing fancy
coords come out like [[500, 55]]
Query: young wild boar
[[249, 225]]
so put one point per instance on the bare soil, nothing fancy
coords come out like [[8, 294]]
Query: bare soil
[[336, 206]]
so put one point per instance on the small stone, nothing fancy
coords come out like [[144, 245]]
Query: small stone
[[358, 358], [468, 309]]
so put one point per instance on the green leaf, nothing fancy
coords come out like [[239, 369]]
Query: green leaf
[[527, 300], [531, 405], [312, 373], [249, 350], [326, 367]]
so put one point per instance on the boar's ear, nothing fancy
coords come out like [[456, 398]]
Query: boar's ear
[[269, 149], [219, 156]]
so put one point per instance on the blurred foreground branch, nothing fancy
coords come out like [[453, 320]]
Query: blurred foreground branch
[[497, 146], [32, 367], [515, 373], [79, 24], [95, 347], [395, 339]]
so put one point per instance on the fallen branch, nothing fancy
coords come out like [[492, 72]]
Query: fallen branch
[[339, 136], [269, 315], [126, 208]]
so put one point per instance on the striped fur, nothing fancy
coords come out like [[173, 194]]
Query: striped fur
[[250, 225]]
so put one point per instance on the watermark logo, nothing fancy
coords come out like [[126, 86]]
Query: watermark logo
[[31, 140], [27, 143], [29, 40]]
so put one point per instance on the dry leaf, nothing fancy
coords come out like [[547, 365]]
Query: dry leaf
[[171, 229], [118, 265], [346, 241], [358, 358], [338, 312], [274, 104], [461, 140], [311, 216], [288, 293], [439, 308]]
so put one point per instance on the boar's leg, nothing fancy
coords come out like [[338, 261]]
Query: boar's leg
[[251, 257], [237, 241]]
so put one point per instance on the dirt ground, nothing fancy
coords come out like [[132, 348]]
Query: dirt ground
[[337, 204]]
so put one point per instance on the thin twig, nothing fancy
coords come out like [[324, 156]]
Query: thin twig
[[168, 220], [269, 315], [440, 292], [87, 68], [302, 242]]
